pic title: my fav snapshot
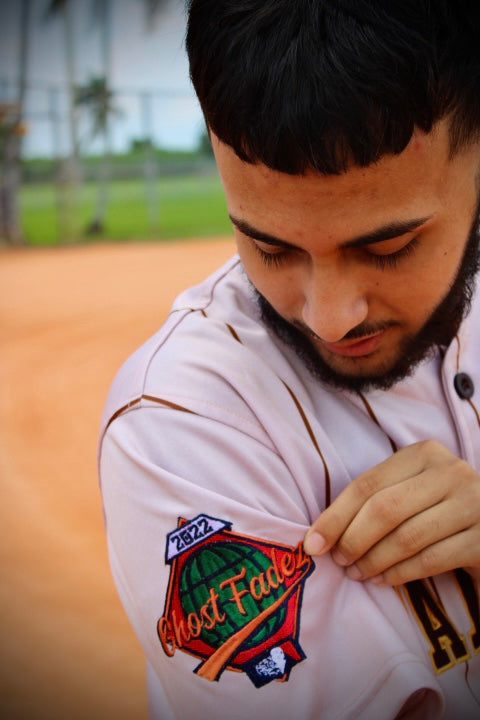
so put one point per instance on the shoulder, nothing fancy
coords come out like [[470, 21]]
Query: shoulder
[[213, 351]]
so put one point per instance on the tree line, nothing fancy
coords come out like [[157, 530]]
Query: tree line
[[95, 97]]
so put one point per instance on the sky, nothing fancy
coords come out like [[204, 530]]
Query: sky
[[148, 61]]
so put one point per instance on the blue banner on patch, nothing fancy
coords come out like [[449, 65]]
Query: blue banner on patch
[[191, 533]]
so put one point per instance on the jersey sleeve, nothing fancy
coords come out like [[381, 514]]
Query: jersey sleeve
[[205, 522]]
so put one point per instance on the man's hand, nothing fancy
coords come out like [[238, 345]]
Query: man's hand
[[414, 515]]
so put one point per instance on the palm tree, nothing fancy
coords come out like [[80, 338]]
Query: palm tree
[[153, 8], [69, 171], [12, 130], [63, 8], [97, 96], [98, 99]]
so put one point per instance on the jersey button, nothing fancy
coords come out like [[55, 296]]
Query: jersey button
[[464, 386]]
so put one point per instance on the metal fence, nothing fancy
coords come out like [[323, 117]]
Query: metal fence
[[167, 118]]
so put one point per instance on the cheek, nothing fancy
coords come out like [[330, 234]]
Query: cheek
[[279, 287], [421, 290], [438, 274]]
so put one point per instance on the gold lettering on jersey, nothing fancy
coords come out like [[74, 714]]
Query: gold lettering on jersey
[[174, 632], [447, 645], [470, 597]]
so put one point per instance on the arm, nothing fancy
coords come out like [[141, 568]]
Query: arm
[[158, 465]]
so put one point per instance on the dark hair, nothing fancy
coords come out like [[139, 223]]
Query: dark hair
[[324, 84]]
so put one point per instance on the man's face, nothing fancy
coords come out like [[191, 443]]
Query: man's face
[[363, 264]]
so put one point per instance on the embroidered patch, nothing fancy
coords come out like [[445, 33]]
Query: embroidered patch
[[233, 601]]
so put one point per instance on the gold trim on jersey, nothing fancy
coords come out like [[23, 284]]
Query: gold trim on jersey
[[305, 421], [151, 398], [373, 417], [314, 441]]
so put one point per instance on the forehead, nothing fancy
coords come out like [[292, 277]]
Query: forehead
[[413, 184]]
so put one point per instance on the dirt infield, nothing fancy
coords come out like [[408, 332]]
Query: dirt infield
[[68, 317]]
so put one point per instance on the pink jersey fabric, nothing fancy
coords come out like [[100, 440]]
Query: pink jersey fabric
[[215, 416]]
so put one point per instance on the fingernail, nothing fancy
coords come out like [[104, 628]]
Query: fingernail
[[378, 579], [354, 573], [339, 558], [314, 543]]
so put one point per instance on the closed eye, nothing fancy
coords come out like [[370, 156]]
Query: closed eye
[[390, 260], [273, 258], [387, 261]]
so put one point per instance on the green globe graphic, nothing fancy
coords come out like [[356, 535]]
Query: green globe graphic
[[210, 566]]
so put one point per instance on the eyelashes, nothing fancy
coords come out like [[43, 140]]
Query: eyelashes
[[381, 262], [274, 259], [390, 261]]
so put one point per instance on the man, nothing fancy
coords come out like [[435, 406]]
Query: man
[[322, 385]]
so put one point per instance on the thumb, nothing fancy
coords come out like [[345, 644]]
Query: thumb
[[329, 526], [314, 543]]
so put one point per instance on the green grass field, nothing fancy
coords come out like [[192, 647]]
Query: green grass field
[[180, 207]]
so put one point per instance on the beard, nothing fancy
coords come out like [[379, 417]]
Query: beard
[[438, 331]]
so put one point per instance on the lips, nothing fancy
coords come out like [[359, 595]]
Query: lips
[[357, 347]]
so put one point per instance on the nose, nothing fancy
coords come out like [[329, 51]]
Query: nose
[[334, 304]]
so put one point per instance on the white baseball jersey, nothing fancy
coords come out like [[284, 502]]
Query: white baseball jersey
[[218, 451]]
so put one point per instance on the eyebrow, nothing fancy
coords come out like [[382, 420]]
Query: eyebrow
[[385, 232]]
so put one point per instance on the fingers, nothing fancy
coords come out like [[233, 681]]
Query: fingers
[[402, 518], [414, 515], [427, 544], [333, 522], [448, 554]]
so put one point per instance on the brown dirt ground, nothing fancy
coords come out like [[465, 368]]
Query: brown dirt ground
[[68, 318]]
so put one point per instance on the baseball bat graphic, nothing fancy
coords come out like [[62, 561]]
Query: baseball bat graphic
[[211, 669]]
